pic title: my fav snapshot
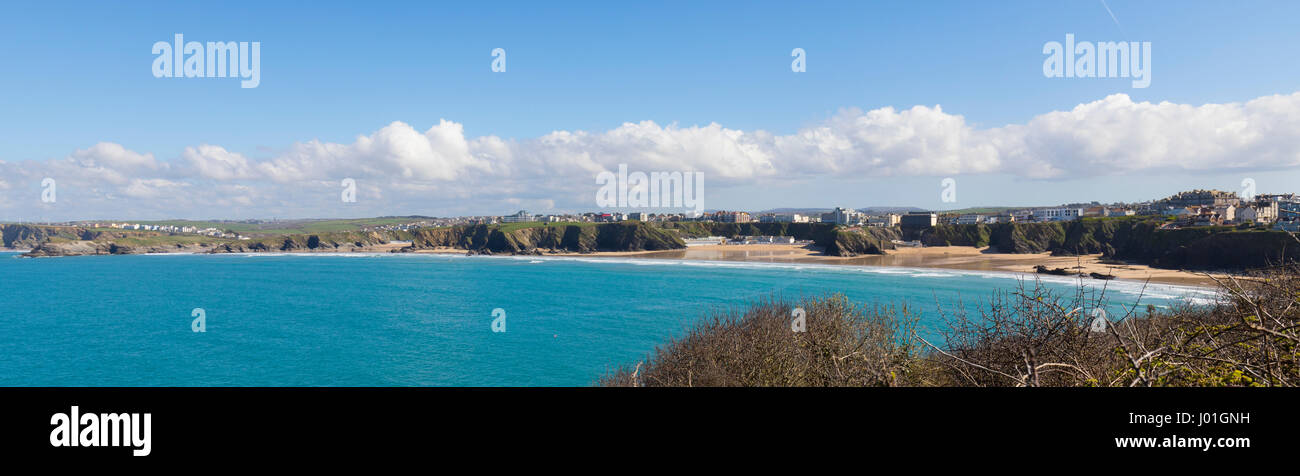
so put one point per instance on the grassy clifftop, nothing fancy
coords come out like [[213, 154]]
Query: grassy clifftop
[[28, 236]]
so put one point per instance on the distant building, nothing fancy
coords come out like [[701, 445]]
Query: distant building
[[843, 216], [708, 240], [1057, 214], [1200, 198], [1226, 213], [971, 219], [1209, 216], [1260, 213], [888, 219], [1117, 212], [920, 219], [1288, 210], [519, 217], [782, 218], [733, 217]]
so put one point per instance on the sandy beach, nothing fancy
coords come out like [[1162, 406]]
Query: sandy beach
[[947, 257]]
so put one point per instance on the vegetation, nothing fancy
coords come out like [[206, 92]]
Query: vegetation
[[1029, 337], [1138, 239], [845, 345]]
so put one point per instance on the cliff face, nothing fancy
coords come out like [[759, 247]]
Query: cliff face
[[1135, 239], [625, 236], [341, 241], [59, 240], [89, 247], [868, 241], [28, 236]]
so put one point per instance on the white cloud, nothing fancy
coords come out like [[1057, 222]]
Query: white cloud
[[214, 162], [153, 188], [402, 170]]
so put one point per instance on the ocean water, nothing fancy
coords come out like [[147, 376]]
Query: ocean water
[[409, 320]]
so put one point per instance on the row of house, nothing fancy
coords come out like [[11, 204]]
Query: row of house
[[761, 240], [192, 230], [1191, 208], [1212, 207]]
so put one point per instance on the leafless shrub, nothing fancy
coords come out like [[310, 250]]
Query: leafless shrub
[[843, 345]]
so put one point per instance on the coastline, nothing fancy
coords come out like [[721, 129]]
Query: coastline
[[938, 257]]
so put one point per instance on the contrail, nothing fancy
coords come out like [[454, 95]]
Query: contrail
[[1112, 14], [1112, 17]]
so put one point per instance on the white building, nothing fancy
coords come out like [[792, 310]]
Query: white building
[[888, 219], [845, 216], [783, 218], [519, 217], [1057, 214]]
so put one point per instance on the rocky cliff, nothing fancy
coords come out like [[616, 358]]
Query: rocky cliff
[[28, 236], [866, 241], [1138, 239], [340, 241], [575, 238]]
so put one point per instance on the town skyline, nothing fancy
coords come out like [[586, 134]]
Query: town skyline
[[1196, 207]]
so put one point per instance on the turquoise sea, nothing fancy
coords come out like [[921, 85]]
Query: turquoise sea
[[401, 320]]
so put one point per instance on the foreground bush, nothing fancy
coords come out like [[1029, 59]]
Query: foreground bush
[[1027, 337], [843, 345]]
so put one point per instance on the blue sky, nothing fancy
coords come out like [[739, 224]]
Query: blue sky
[[78, 74]]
